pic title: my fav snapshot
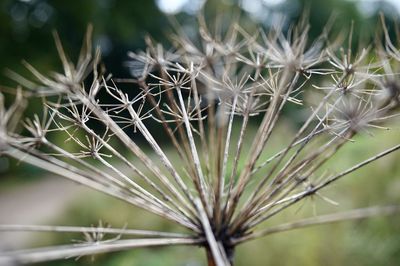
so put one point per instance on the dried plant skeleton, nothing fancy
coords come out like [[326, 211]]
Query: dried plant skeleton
[[223, 186]]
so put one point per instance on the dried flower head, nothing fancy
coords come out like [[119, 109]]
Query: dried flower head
[[223, 186]]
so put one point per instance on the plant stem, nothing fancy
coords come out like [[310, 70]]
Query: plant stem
[[210, 258]]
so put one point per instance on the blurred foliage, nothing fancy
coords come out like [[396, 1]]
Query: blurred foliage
[[25, 29]]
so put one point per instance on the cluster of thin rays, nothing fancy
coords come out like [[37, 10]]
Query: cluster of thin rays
[[220, 189]]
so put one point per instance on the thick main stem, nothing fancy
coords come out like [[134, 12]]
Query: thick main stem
[[210, 258], [211, 261]]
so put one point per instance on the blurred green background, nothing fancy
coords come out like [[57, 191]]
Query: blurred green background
[[119, 27]]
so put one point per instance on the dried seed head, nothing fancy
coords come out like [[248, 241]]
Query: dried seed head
[[356, 115], [10, 118], [292, 52], [219, 188], [391, 92], [73, 75]]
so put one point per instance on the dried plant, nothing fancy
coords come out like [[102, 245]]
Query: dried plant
[[220, 190]]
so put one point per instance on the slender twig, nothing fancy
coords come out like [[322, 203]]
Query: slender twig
[[323, 219], [68, 251]]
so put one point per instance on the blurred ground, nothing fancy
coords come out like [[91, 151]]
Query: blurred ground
[[34, 203]]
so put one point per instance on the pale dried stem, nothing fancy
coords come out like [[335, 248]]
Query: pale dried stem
[[75, 229], [325, 183], [323, 219], [245, 121], [259, 143], [310, 162], [53, 165], [135, 170], [218, 254], [67, 251], [218, 208], [165, 125], [252, 198], [273, 157], [201, 182], [140, 154], [147, 196]]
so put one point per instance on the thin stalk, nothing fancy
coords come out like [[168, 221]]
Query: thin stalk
[[276, 155], [75, 229], [67, 251], [298, 134], [357, 214], [247, 208], [162, 118], [203, 138], [137, 190], [218, 255], [325, 183], [268, 195], [137, 171], [202, 185], [310, 161], [140, 154], [52, 166], [260, 141], [218, 208], [243, 128]]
